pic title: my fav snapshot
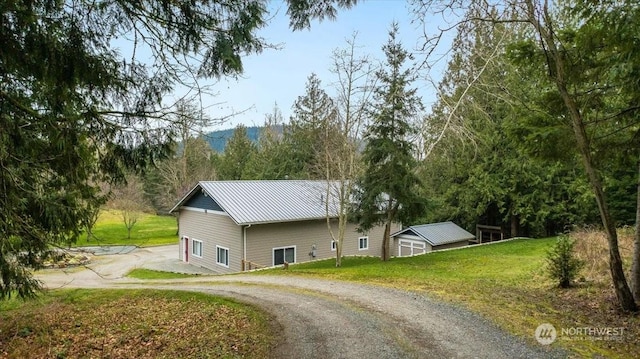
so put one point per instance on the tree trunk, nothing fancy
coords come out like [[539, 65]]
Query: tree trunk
[[623, 293], [635, 265], [556, 64], [386, 255], [515, 224], [342, 225]]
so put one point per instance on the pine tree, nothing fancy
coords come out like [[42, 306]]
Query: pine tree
[[237, 154], [387, 192], [312, 113]]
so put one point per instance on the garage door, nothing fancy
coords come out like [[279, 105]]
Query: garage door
[[411, 248]]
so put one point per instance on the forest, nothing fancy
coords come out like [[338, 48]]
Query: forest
[[495, 149]]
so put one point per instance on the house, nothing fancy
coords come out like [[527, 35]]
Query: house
[[425, 238], [231, 226]]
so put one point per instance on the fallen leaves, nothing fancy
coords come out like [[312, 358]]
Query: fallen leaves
[[140, 324]]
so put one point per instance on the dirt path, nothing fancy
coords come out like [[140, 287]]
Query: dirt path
[[330, 319]]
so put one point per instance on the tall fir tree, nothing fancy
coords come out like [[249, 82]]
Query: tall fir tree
[[312, 113], [388, 190], [237, 155]]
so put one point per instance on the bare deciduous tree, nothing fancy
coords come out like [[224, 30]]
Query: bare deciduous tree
[[128, 199], [341, 161]]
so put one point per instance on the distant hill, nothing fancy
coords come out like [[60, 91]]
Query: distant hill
[[218, 139]]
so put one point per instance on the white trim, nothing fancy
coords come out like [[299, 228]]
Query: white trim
[[273, 254], [412, 245], [193, 248], [208, 211], [220, 263], [366, 238], [244, 244], [334, 245], [184, 248]]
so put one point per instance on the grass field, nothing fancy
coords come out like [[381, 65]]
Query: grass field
[[506, 283], [133, 324], [151, 230]]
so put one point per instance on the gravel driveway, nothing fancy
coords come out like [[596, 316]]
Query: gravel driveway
[[327, 319]]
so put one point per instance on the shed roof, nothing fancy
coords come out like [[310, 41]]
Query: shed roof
[[438, 233], [254, 202]]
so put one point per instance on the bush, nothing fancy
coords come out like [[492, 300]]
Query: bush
[[563, 266]]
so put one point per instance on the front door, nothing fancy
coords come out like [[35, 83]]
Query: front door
[[186, 249]]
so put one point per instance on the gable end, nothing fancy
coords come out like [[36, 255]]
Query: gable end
[[202, 201]]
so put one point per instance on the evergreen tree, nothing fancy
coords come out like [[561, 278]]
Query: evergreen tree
[[271, 159], [479, 169], [305, 134], [75, 112], [388, 190], [586, 59], [237, 155]]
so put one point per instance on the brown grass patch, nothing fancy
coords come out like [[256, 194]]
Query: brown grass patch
[[592, 302], [592, 247], [133, 324]]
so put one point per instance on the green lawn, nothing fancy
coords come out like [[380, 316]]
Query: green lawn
[[151, 230], [505, 282], [141, 273]]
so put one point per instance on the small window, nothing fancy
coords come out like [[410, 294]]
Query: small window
[[196, 248], [222, 256], [333, 245], [285, 254], [363, 243]]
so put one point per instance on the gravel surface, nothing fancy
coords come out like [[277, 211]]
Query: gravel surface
[[329, 319]]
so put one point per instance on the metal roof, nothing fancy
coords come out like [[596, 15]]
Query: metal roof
[[438, 233], [254, 202]]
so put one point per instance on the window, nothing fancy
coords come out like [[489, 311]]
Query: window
[[284, 254], [222, 256], [333, 245], [196, 248], [363, 243]]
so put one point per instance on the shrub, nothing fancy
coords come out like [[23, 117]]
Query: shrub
[[563, 266]]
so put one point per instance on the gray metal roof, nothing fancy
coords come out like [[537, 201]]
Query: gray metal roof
[[253, 202], [438, 233]]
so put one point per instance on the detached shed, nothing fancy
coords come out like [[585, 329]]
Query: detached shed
[[425, 238]]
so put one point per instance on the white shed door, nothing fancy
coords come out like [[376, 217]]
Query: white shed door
[[408, 247]]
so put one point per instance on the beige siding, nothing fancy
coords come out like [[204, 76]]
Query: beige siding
[[263, 238], [212, 229]]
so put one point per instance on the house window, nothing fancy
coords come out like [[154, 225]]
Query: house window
[[284, 254], [222, 256], [333, 245], [363, 243], [196, 248]]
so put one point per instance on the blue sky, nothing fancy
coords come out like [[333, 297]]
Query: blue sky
[[279, 76]]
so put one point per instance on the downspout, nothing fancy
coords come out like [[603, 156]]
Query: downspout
[[244, 246]]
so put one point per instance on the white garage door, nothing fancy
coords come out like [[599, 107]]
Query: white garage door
[[408, 247]]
